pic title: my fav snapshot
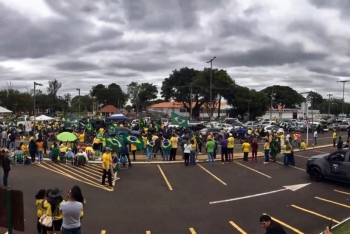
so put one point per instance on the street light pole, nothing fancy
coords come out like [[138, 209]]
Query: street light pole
[[249, 109], [211, 87], [79, 101], [343, 81], [272, 95], [329, 103], [35, 84]]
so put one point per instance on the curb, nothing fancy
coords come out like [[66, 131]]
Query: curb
[[338, 224], [260, 154]]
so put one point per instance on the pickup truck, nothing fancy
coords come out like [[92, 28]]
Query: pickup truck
[[333, 166]]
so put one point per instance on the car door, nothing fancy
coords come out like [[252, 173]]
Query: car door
[[338, 167]]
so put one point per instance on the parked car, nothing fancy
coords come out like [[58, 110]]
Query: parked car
[[271, 128], [334, 166], [208, 131]]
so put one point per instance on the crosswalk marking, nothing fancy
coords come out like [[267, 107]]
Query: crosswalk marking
[[78, 175], [192, 231]]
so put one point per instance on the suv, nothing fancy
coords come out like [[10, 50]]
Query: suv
[[334, 166]]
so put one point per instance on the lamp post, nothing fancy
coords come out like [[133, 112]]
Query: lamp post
[[211, 87], [343, 81], [35, 84], [79, 100], [329, 103], [271, 103], [248, 101]]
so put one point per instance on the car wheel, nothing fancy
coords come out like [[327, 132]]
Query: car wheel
[[316, 174]]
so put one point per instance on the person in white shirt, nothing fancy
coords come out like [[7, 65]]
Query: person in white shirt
[[187, 152], [315, 137], [82, 153]]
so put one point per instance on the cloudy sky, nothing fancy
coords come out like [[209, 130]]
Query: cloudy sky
[[304, 44]]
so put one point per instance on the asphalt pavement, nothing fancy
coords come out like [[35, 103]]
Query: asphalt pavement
[[200, 199]]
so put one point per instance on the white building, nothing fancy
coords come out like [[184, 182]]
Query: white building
[[284, 113], [178, 108]]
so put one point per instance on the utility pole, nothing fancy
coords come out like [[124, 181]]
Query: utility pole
[[249, 109], [79, 100], [329, 103], [272, 98], [191, 103], [211, 88], [342, 107]]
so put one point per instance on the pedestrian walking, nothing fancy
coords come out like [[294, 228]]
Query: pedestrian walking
[[255, 147], [106, 163], [224, 150], [267, 151], [187, 152], [210, 147], [246, 149]]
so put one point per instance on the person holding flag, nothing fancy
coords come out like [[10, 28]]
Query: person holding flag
[[149, 149], [166, 147]]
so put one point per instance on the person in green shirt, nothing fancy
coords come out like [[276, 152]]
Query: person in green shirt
[[210, 147], [54, 152]]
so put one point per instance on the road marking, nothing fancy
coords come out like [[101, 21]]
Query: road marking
[[165, 178], [253, 170], [301, 169], [148, 232], [322, 152], [314, 213], [237, 227], [214, 176], [76, 173], [85, 171], [103, 232], [333, 202], [301, 156], [289, 187], [46, 166], [193, 231], [338, 191], [287, 226]]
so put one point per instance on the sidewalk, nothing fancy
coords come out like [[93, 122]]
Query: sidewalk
[[141, 159]]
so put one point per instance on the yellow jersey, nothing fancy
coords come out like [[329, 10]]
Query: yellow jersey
[[246, 147]]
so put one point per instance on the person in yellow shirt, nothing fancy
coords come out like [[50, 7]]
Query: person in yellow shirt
[[106, 164], [52, 208], [23, 138], [81, 138], [230, 147], [288, 154], [174, 141], [303, 145], [267, 151], [39, 197], [133, 151], [246, 149], [97, 147], [334, 136]]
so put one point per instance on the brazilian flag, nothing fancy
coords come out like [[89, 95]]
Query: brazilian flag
[[89, 127], [150, 143], [179, 120], [166, 145], [112, 129], [112, 142], [135, 140]]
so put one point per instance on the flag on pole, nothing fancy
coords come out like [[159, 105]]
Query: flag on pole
[[179, 120], [135, 140]]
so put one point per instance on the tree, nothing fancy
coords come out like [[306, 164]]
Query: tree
[[284, 95], [140, 95], [112, 95], [52, 90], [222, 85], [178, 88], [86, 103], [315, 99]]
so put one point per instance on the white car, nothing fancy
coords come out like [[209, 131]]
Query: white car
[[272, 128], [226, 127]]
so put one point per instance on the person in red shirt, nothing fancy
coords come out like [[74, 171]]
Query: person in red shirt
[[255, 147]]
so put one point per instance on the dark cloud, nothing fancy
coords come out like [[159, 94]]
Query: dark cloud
[[144, 66], [118, 74], [326, 71], [342, 5], [76, 66], [312, 29], [274, 55], [238, 27], [252, 10]]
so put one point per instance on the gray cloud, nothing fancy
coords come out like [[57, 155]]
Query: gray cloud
[[145, 40], [274, 55], [76, 66]]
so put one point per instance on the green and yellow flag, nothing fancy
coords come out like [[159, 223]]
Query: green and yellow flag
[[137, 141], [179, 120]]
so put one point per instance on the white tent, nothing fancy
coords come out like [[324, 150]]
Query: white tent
[[4, 110], [43, 118]]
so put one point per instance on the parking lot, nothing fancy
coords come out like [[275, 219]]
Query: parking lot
[[173, 198]]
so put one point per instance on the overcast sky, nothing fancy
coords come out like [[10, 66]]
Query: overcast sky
[[304, 44]]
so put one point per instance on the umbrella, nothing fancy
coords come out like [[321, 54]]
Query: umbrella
[[66, 136]]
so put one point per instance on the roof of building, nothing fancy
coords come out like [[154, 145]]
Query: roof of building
[[176, 105], [108, 109]]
